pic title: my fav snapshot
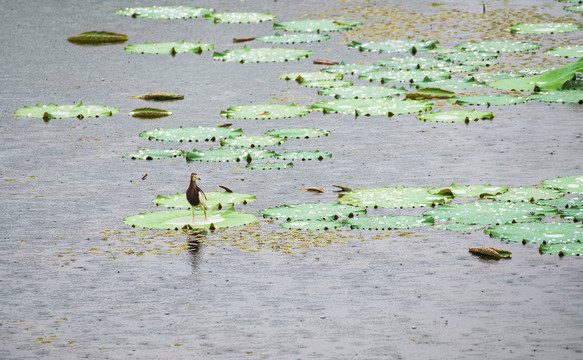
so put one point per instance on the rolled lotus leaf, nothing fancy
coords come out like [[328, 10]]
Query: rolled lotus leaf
[[159, 96], [98, 37], [149, 113], [490, 251]]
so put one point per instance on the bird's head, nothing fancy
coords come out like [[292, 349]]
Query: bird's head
[[194, 177]]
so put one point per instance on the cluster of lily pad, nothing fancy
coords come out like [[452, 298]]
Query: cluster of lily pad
[[541, 215]]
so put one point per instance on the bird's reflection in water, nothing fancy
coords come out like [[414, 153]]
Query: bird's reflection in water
[[195, 247]]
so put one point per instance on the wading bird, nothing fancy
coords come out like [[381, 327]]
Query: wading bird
[[196, 196]]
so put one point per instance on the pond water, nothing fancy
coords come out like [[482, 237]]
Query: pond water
[[77, 282]]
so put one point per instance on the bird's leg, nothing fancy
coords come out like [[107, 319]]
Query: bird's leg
[[193, 215], [204, 215]]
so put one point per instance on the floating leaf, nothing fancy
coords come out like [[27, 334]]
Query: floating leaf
[[449, 84], [311, 225], [159, 96], [150, 154], [327, 83], [458, 227], [568, 184], [405, 75], [98, 37], [214, 199], [171, 48], [261, 55], [228, 154], [490, 251], [165, 12], [351, 69], [574, 248], [310, 76], [430, 93], [293, 38], [395, 46], [198, 133], [543, 28], [490, 213], [177, 219], [550, 80], [269, 166], [469, 56], [456, 116], [563, 202], [559, 96], [538, 232], [574, 213], [492, 76], [528, 194], [266, 111], [312, 211], [303, 155], [149, 113], [388, 222], [490, 100], [53, 111], [239, 17], [566, 51], [499, 46], [574, 8], [376, 106], [298, 133], [317, 26], [410, 63], [253, 141], [363, 92], [392, 197], [469, 190]]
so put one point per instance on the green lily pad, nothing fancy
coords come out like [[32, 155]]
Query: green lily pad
[[317, 26], [543, 28], [265, 111], [293, 38], [376, 106], [392, 197], [449, 84], [311, 225], [568, 184], [469, 56], [177, 219], [304, 155], [566, 51], [149, 113], [228, 154], [499, 46], [150, 154], [351, 69], [310, 76], [189, 134], [363, 92], [405, 75], [456, 116], [239, 17], [410, 63], [312, 211], [561, 249], [53, 111], [490, 100], [538, 232], [469, 190], [550, 80], [493, 76], [490, 212], [252, 141], [458, 227], [574, 8], [388, 222], [559, 96], [261, 55], [98, 37], [269, 166], [171, 48], [528, 194], [165, 12], [395, 46], [563, 202], [574, 213], [430, 93], [215, 199], [327, 83], [298, 133]]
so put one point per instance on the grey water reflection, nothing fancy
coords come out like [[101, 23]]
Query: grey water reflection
[[196, 248]]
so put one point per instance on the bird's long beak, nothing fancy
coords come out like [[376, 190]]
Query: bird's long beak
[[194, 177]]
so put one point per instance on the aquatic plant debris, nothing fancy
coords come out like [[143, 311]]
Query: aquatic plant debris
[[54, 111], [259, 55], [98, 37], [165, 12], [490, 251]]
